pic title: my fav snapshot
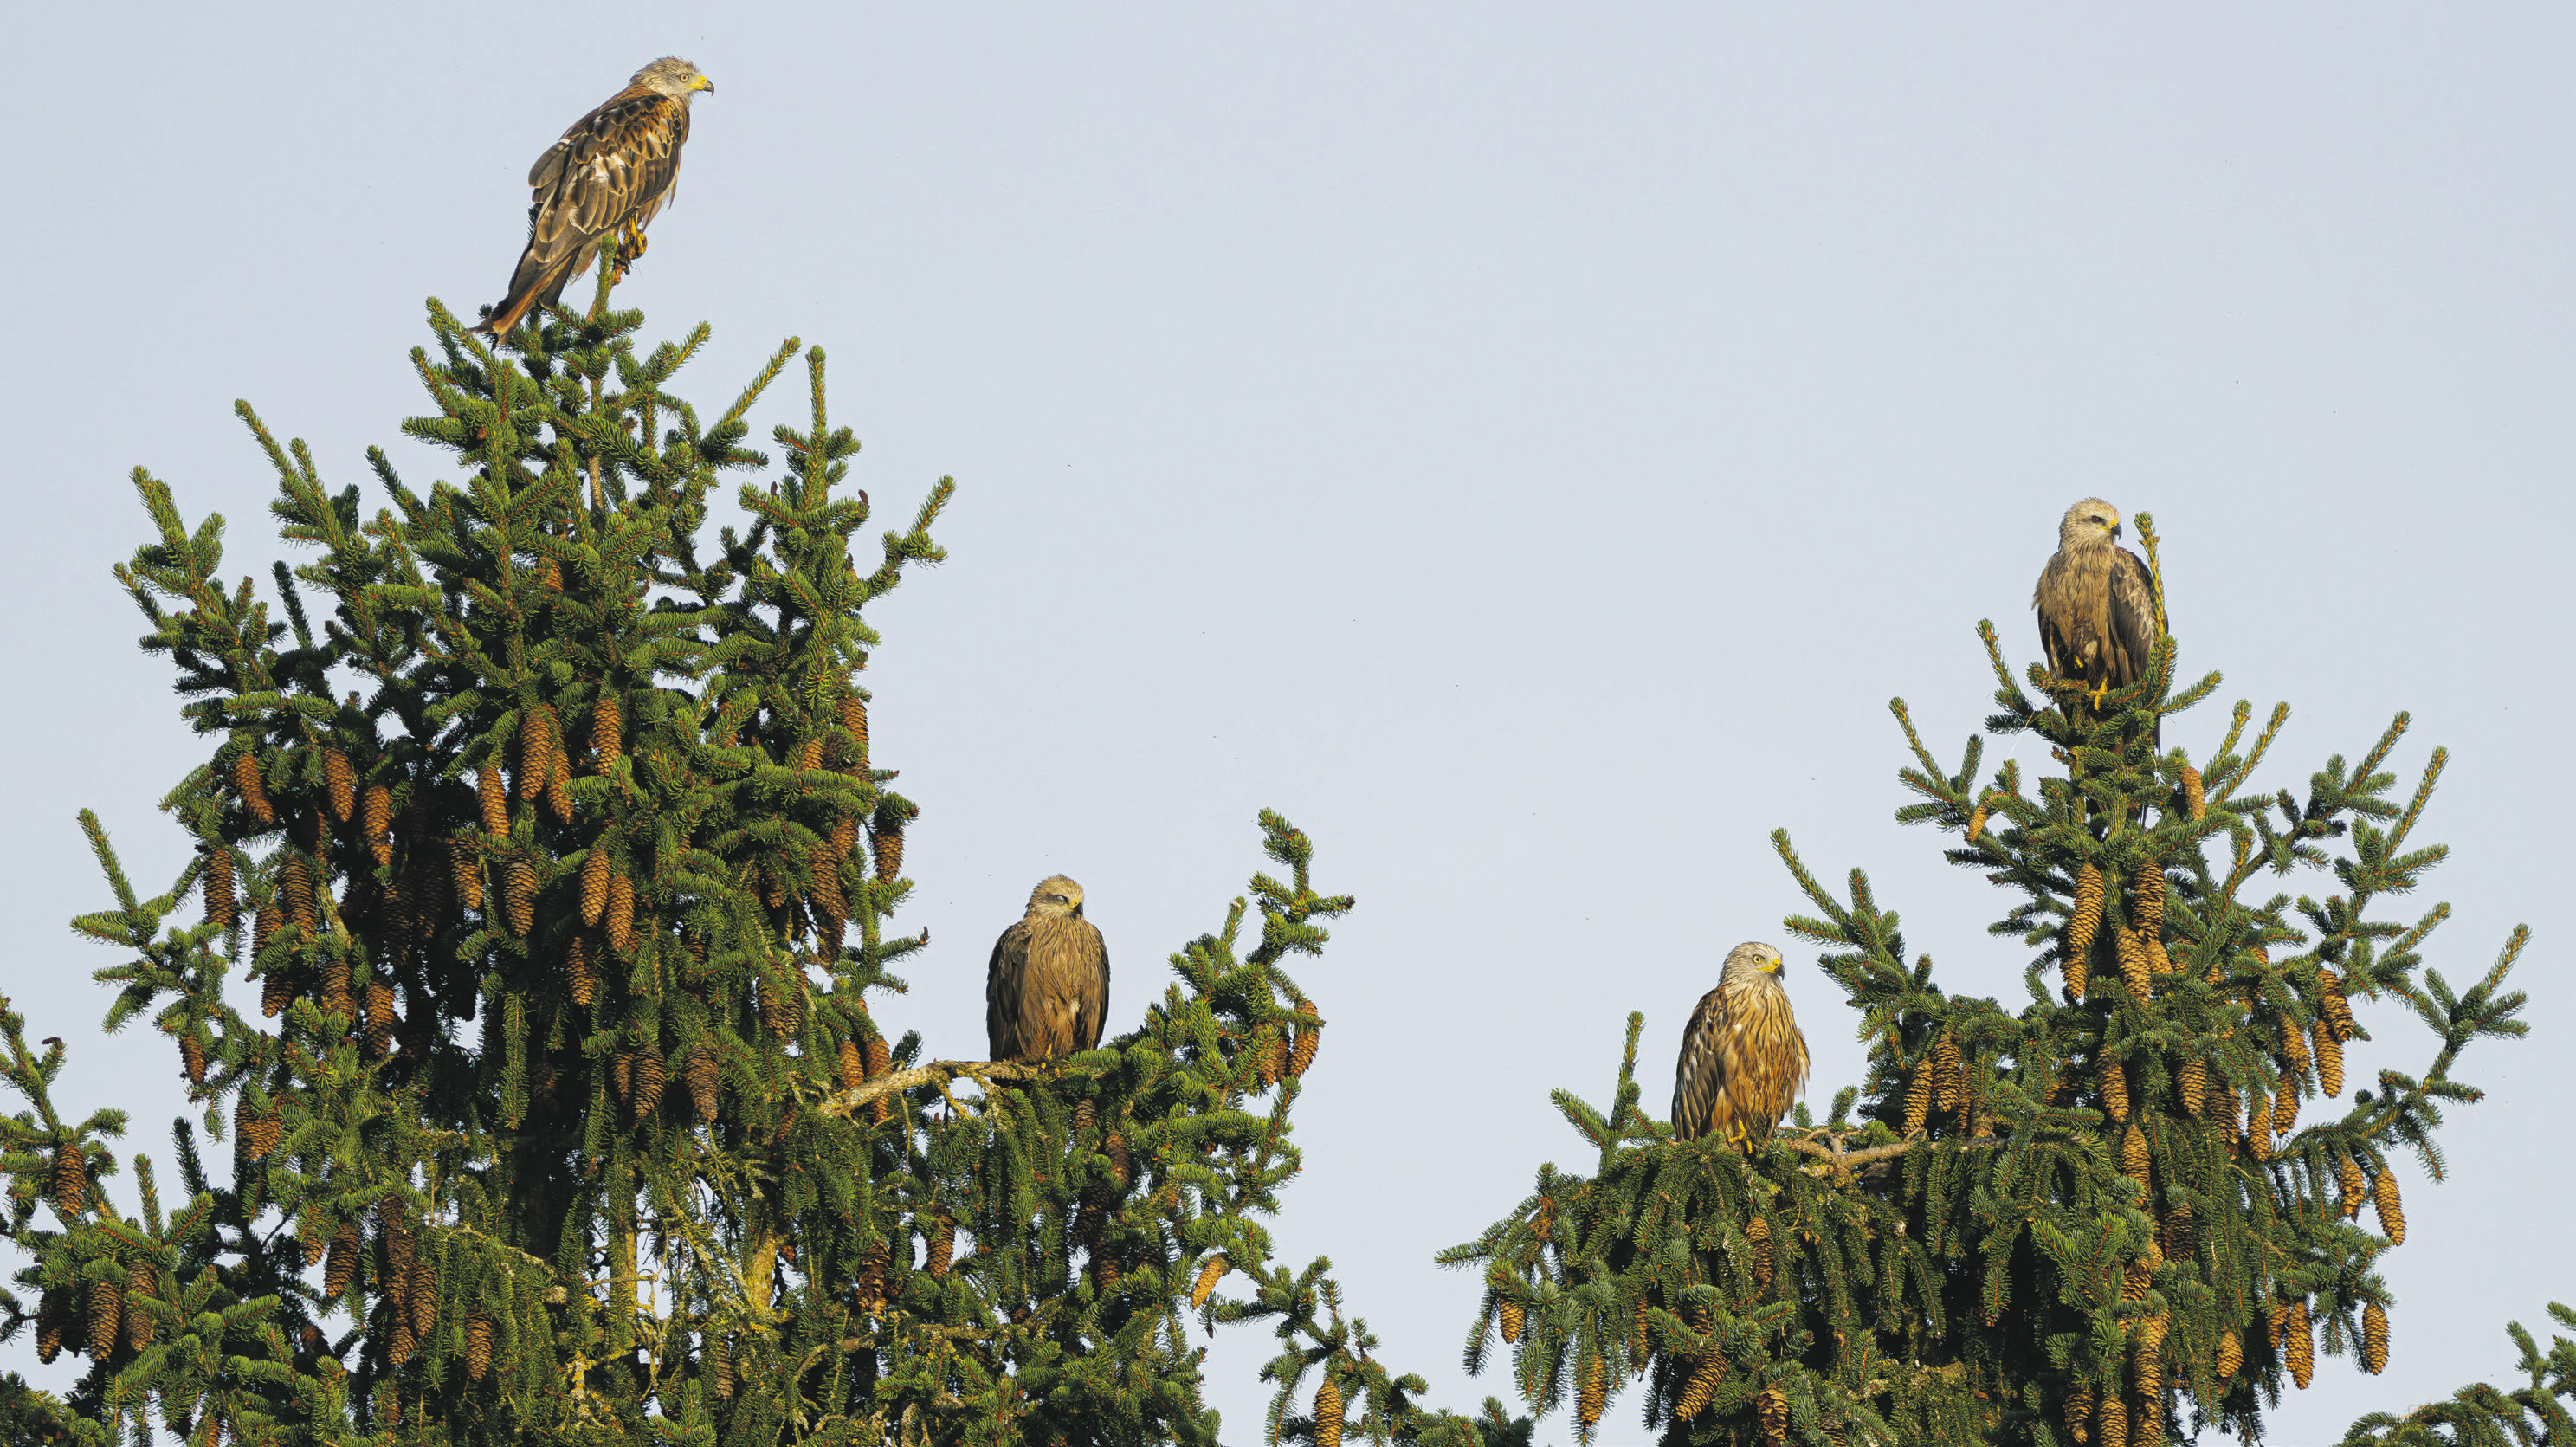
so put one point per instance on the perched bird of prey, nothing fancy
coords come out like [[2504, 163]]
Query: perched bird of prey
[[1047, 990], [2096, 602], [1743, 1058], [610, 173]]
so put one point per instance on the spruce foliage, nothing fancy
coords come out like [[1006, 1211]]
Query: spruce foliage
[[2094, 1218], [546, 823]]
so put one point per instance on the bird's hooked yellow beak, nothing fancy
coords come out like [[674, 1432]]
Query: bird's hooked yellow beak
[[1077, 909], [1772, 966], [704, 84]]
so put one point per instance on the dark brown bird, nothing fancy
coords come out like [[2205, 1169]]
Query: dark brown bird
[[1743, 1059], [2096, 603], [610, 173], [1047, 989]]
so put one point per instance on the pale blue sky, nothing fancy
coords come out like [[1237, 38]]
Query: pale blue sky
[[1527, 447]]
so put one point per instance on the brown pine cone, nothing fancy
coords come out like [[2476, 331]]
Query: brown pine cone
[[71, 1180], [106, 1317], [192, 1058], [2147, 893], [2136, 1278], [2194, 801], [2079, 1415], [854, 722], [536, 754], [252, 788], [827, 895], [621, 1073], [2335, 1009], [2302, 1345], [1918, 1097], [2392, 1211], [702, 1084], [468, 872], [1641, 1341], [264, 927], [423, 1294], [341, 781], [265, 1133], [2147, 1363], [478, 1347], [2354, 1188], [852, 1071], [1595, 1391], [2258, 1126], [347, 1247], [519, 896], [2137, 971], [2285, 1104], [2231, 1354], [1757, 1232], [2192, 1081], [1772, 1406], [336, 999], [579, 972], [559, 786], [652, 1076], [594, 883], [2329, 1061], [140, 1282], [2086, 919], [889, 852], [2134, 1157], [495, 800], [719, 1350], [1949, 1078], [1328, 1412], [376, 821], [870, 1282], [881, 1060], [219, 887], [2111, 1421], [296, 883], [1708, 1373], [245, 1125], [1310, 1029], [621, 913], [380, 1018], [942, 1246], [2374, 1338], [607, 732], [2294, 1047], [51, 1318], [2115, 1089], [1510, 1313]]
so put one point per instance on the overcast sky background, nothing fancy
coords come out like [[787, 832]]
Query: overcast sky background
[[1527, 447]]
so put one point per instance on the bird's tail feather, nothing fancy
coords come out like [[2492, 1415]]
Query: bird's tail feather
[[529, 286]]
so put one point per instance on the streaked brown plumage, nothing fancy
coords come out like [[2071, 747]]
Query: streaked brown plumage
[[1046, 991], [1743, 1058], [2096, 602], [610, 173]]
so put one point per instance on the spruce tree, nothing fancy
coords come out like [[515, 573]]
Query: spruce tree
[[2095, 1217], [545, 821]]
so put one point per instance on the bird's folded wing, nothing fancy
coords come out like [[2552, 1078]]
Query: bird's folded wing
[[2133, 610], [614, 167]]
